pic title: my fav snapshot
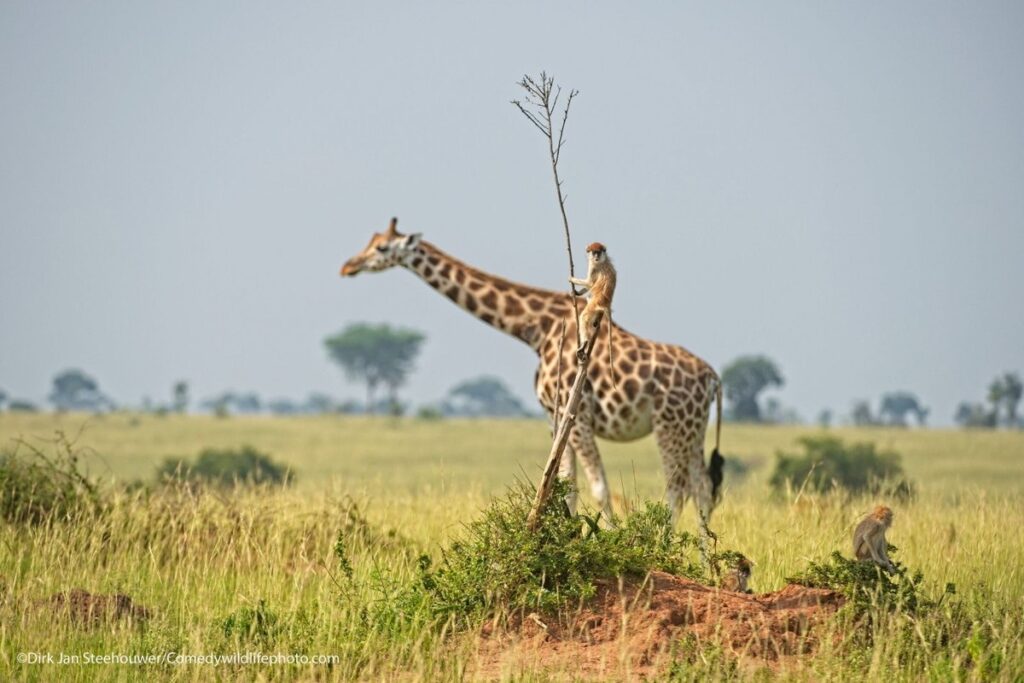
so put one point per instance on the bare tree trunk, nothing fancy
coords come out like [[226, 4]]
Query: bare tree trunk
[[562, 432], [540, 105], [371, 389]]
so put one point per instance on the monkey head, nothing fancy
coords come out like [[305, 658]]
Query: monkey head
[[883, 514], [385, 250], [597, 253]]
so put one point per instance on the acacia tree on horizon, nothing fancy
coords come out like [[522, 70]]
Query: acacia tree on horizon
[[897, 405], [75, 390], [1005, 392], [375, 355], [744, 379]]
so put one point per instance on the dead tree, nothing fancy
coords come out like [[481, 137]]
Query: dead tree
[[540, 107]]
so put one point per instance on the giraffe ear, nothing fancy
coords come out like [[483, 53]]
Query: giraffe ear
[[411, 241]]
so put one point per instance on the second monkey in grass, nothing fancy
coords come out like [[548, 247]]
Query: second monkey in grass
[[737, 577], [600, 282]]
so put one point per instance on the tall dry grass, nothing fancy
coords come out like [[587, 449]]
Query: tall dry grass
[[206, 562]]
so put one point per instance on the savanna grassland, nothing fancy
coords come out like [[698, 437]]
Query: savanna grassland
[[255, 569]]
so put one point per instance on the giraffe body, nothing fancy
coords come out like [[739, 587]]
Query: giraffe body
[[655, 387]]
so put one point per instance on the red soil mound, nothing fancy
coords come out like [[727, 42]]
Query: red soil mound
[[627, 630]]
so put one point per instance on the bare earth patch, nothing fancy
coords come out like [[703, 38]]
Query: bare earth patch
[[87, 609], [627, 631]]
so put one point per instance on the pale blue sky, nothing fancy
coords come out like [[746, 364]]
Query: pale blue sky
[[839, 186]]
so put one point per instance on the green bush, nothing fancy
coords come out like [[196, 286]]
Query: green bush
[[429, 413], [256, 624], [866, 585], [244, 466], [827, 463], [35, 488], [498, 565]]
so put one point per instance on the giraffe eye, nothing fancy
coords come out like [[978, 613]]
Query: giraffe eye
[[382, 248]]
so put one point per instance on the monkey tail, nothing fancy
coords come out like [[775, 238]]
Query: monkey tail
[[718, 414], [717, 463]]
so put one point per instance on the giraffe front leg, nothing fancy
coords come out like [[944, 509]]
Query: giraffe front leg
[[581, 439]]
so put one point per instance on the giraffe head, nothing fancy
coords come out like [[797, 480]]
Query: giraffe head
[[385, 250]]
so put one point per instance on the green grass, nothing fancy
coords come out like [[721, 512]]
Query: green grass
[[204, 561]]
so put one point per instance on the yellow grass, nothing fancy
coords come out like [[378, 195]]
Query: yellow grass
[[194, 561]]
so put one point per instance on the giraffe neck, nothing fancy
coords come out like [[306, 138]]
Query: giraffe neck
[[526, 313]]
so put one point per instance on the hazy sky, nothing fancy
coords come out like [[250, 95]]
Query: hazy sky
[[840, 187]]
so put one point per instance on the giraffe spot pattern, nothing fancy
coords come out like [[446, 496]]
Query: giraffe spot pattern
[[657, 387]]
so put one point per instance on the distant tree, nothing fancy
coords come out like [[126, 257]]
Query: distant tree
[[247, 403], [319, 404], [898, 404], [350, 407], [75, 390], [1014, 391], [180, 396], [230, 401], [861, 414], [484, 396], [744, 379], [3, 398], [1005, 393], [375, 355], [825, 418], [219, 405], [18, 405], [429, 413], [974, 415], [282, 406], [996, 395]]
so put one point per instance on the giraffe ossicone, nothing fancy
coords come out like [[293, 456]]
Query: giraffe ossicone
[[655, 387]]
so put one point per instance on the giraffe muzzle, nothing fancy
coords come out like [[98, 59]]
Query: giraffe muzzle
[[350, 269]]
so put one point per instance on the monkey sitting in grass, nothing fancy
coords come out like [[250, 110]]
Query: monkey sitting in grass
[[869, 544], [737, 577]]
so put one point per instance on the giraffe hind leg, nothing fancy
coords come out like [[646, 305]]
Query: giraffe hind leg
[[581, 438], [683, 463]]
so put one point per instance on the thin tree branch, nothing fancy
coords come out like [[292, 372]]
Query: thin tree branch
[[562, 435], [540, 107], [542, 97], [558, 374]]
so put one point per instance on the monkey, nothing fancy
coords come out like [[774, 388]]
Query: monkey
[[869, 544], [600, 282], [736, 578]]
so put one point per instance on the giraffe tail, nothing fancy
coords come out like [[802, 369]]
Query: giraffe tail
[[717, 464]]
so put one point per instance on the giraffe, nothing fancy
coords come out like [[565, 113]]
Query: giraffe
[[656, 387]]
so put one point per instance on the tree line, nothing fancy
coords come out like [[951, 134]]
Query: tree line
[[379, 356], [747, 378]]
